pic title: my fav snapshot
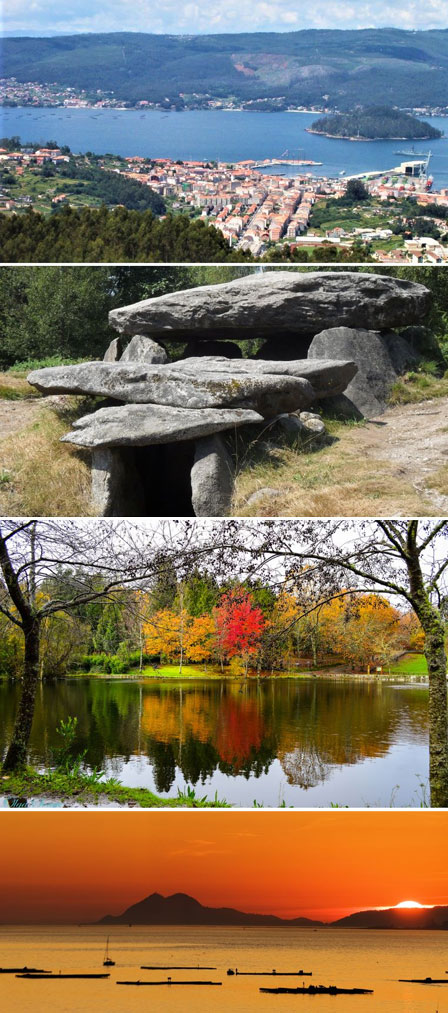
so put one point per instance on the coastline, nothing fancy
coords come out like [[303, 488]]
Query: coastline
[[346, 137], [158, 109]]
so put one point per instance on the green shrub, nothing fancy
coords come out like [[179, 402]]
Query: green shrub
[[27, 365]]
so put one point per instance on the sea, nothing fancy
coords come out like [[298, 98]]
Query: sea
[[350, 958], [218, 135]]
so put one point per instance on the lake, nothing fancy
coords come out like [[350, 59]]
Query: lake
[[345, 957], [210, 134], [309, 742]]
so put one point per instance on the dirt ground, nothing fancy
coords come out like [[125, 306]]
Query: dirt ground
[[16, 416], [395, 465], [413, 439]]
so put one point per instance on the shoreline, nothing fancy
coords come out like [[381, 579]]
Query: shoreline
[[78, 791], [161, 109], [419, 678], [345, 137]]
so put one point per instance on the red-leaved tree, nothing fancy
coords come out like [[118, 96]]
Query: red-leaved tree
[[239, 625]]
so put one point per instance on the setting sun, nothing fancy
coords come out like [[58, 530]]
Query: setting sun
[[411, 904]]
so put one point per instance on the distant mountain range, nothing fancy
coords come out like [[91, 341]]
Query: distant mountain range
[[396, 918], [315, 67], [180, 909]]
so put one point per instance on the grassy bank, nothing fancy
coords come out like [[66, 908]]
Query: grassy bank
[[171, 672], [410, 664], [147, 672], [82, 788], [418, 386]]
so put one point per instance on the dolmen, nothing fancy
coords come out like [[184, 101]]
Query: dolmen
[[327, 338]]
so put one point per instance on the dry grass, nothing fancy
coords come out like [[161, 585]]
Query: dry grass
[[415, 387], [39, 475], [14, 388], [439, 481], [335, 481]]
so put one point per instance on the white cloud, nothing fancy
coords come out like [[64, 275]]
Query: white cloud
[[176, 16]]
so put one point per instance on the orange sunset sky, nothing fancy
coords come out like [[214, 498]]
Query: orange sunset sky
[[72, 867]]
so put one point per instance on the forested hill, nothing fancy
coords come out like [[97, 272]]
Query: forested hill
[[348, 67], [375, 122]]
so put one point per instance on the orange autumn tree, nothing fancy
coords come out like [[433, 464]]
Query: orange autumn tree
[[240, 625], [176, 635], [200, 638], [412, 632], [162, 633], [364, 630]]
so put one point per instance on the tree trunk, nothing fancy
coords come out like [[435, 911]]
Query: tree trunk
[[17, 753], [435, 655]]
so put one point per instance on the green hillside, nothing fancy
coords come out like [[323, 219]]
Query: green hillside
[[397, 67]]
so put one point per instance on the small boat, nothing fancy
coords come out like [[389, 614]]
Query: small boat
[[55, 977], [175, 967], [108, 962], [23, 970], [412, 152], [274, 973], [318, 990], [425, 981], [169, 982]]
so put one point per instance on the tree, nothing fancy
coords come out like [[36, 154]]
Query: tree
[[163, 633], [240, 624], [364, 629], [32, 551], [200, 638], [110, 632], [405, 559], [280, 636], [62, 637], [56, 311], [356, 191]]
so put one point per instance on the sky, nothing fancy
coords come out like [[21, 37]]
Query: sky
[[211, 16], [76, 867]]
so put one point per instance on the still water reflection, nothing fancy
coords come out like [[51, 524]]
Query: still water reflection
[[369, 959], [308, 742]]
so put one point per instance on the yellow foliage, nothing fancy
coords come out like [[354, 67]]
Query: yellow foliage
[[200, 638], [163, 633]]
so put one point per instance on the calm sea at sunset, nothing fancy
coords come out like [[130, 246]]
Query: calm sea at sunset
[[345, 957]]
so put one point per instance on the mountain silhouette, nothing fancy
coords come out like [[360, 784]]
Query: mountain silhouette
[[396, 918], [180, 909]]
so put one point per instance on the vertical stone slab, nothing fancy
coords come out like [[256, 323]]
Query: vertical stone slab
[[144, 349], [113, 352], [212, 478], [115, 485]]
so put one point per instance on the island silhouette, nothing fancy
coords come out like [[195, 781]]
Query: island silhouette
[[181, 909]]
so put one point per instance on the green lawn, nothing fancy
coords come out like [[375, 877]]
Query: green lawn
[[188, 672], [410, 664]]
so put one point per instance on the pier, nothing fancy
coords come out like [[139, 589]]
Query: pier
[[285, 161]]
